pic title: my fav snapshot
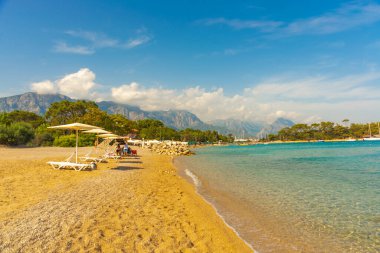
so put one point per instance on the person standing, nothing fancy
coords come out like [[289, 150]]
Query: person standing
[[125, 149]]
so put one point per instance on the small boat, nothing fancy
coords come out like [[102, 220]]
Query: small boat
[[371, 138]]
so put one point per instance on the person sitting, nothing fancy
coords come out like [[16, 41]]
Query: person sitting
[[118, 150]]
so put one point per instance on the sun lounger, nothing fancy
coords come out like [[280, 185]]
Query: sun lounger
[[70, 165], [67, 164], [88, 158], [111, 156]]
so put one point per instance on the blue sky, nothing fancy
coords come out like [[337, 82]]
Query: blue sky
[[305, 60]]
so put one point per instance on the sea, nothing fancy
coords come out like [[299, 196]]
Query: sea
[[299, 197]]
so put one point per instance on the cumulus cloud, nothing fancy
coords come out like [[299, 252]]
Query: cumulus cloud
[[44, 87], [301, 100], [77, 85], [304, 100]]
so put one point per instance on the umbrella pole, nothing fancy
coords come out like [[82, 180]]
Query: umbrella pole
[[76, 147]]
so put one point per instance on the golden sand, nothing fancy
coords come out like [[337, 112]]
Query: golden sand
[[133, 205]]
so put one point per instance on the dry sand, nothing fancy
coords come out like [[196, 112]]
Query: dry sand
[[133, 205]]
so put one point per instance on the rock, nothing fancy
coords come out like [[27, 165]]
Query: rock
[[173, 149]]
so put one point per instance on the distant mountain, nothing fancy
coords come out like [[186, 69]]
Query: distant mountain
[[178, 119], [30, 101], [276, 126], [129, 111], [245, 129], [38, 103], [239, 128]]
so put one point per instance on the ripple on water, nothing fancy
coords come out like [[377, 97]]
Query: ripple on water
[[296, 196]]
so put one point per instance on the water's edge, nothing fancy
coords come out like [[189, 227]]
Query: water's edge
[[190, 177]]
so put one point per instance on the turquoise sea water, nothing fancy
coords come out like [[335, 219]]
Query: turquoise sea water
[[309, 197]]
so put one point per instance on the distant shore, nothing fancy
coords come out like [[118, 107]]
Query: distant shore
[[136, 204]]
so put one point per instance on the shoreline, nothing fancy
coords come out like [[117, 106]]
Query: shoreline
[[192, 179], [137, 205], [258, 221]]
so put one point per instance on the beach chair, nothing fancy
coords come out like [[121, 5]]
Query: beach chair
[[111, 156], [67, 164], [88, 158]]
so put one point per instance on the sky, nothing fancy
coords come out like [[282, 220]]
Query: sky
[[254, 60]]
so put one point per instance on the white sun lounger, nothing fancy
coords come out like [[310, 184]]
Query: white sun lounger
[[70, 165], [88, 158], [66, 164], [111, 156]]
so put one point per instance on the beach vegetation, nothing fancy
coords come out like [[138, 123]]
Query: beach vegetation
[[28, 128], [324, 131], [18, 133], [69, 140]]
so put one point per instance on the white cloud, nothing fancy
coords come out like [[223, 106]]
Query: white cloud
[[242, 24], [137, 41], [99, 40], [77, 85], [344, 18], [347, 17], [301, 100], [44, 87], [92, 41], [356, 97], [63, 47]]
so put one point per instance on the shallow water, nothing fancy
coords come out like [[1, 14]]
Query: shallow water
[[309, 197]]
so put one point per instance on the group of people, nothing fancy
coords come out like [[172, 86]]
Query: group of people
[[123, 150]]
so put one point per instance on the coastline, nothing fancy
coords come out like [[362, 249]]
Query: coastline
[[137, 205], [195, 181], [298, 221]]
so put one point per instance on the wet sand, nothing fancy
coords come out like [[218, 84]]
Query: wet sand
[[133, 205]]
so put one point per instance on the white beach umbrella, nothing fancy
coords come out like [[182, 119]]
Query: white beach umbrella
[[107, 135], [77, 127], [97, 131]]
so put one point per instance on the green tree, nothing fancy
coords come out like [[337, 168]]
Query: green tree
[[65, 112], [19, 133]]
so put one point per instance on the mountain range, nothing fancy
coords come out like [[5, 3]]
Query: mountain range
[[177, 119]]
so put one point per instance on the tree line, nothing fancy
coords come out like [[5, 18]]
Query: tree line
[[28, 128], [324, 131]]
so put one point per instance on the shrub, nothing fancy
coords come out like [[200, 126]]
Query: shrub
[[19, 133], [69, 140], [43, 139]]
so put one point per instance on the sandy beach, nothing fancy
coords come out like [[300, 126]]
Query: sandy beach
[[133, 205]]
